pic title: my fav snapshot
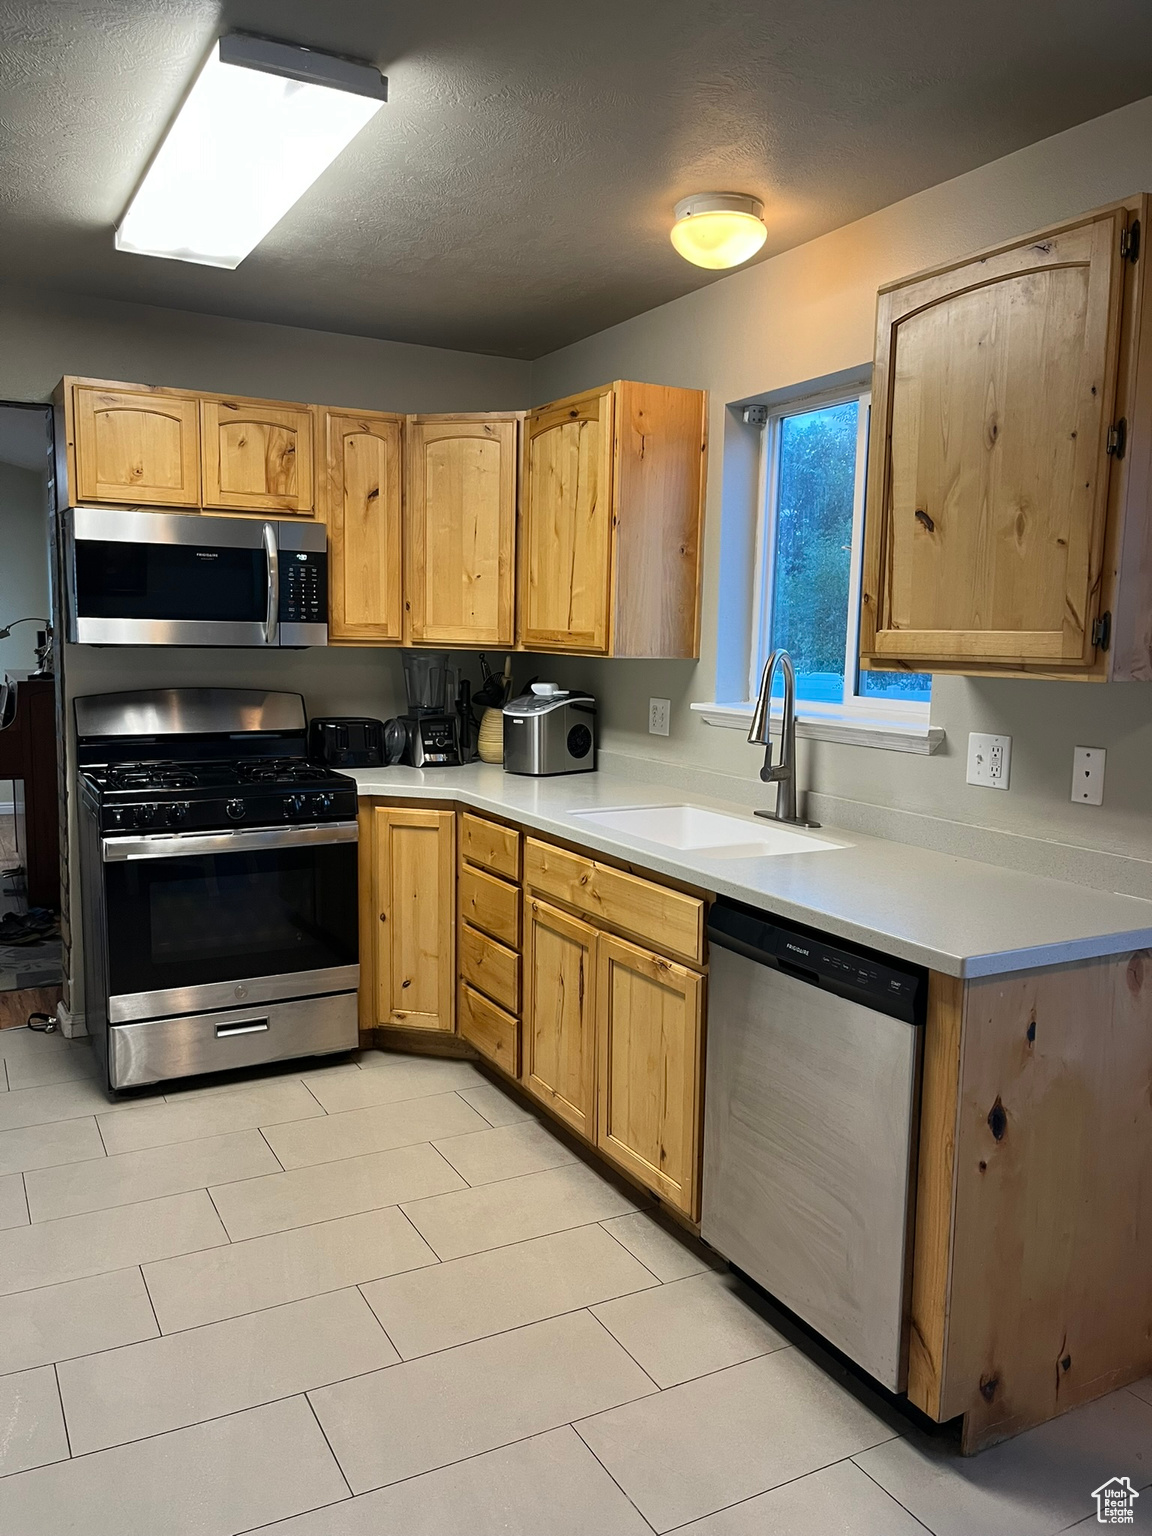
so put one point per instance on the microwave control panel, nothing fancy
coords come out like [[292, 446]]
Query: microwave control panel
[[303, 586]]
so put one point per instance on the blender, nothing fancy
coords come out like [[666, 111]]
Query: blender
[[428, 734]]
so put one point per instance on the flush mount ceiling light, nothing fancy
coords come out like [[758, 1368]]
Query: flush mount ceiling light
[[718, 229], [262, 121]]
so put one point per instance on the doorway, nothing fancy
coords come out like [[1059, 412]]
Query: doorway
[[31, 956]]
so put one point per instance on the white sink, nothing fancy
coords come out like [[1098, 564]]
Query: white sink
[[723, 836]]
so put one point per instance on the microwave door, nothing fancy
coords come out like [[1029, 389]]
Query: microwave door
[[147, 578]]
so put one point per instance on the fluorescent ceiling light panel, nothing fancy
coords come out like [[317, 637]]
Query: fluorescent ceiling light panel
[[262, 121]]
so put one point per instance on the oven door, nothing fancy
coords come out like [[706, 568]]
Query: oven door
[[148, 578], [213, 920]]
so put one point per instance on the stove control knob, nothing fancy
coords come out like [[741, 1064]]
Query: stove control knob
[[235, 810], [293, 805], [177, 813], [321, 802], [143, 815]]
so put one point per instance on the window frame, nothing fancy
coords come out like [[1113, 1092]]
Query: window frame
[[855, 706]]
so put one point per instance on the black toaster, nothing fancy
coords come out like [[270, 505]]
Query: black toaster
[[346, 742]]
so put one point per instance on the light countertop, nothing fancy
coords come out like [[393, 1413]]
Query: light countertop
[[953, 915]]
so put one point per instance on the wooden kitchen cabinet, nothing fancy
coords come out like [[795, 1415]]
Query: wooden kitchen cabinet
[[256, 456], [414, 891], [649, 1067], [612, 522], [363, 479], [559, 1035], [460, 529], [129, 445], [1006, 527]]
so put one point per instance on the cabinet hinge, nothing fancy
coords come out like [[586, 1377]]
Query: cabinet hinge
[[1130, 241], [1117, 439], [1102, 632]]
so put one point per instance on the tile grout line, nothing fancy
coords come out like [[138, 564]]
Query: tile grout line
[[268, 1144], [359, 1289], [27, 1202], [219, 1218], [624, 1347], [608, 1473], [103, 1143], [328, 1443], [631, 1255], [881, 1486], [160, 1334], [323, 1112], [63, 1414]]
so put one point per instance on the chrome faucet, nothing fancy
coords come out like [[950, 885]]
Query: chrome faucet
[[784, 774]]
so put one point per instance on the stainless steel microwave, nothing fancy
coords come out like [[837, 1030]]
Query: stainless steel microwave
[[149, 578]]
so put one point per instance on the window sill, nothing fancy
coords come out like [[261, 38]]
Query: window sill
[[846, 727]]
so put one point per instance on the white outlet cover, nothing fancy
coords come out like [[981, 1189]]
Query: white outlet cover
[[1088, 775], [989, 760], [659, 712]]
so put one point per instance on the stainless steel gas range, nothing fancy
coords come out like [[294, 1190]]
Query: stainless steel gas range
[[218, 884]]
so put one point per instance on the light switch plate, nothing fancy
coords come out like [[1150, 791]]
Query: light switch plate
[[989, 760], [658, 712], [1088, 775]]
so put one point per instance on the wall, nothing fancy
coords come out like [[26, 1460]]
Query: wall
[[808, 314]]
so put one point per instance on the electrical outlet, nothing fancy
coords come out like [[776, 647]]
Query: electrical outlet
[[658, 712], [989, 760], [1088, 775]]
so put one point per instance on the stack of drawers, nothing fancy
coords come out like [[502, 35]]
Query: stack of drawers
[[489, 940]]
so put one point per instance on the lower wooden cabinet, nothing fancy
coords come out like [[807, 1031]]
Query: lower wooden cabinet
[[414, 884], [649, 1065], [559, 1008]]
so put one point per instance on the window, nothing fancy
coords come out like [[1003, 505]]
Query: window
[[810, 565]]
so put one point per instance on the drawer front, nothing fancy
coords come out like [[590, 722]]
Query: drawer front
[[491, 905], [494, 1033], [671, 921], [492, 847], [490, 967]]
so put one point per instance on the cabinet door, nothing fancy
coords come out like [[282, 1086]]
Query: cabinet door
[[649, 1027], [559, 1044], [992, 400], [460, 531], [135, 446], [415, 853], [567, 526], [362, 505], [256, 456]]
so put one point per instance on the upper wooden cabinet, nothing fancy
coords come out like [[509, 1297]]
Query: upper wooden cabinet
[[612, 522], [1006, 527], [130, 446], [256, 456], [362, 503], [460, 529]]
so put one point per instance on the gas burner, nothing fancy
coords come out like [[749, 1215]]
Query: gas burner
[[152, 776], [276, 770]]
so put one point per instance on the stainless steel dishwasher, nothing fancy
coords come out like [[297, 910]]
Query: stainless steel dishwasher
[[809, 1128]]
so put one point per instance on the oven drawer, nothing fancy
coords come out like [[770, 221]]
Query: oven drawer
[[157, 1049]]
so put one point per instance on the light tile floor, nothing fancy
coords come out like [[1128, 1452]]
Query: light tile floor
[[382, 1298]]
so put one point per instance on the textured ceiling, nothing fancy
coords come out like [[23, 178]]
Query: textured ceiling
[[516, 192]]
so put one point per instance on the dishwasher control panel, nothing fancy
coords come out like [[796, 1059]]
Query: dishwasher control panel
[[855, 972]]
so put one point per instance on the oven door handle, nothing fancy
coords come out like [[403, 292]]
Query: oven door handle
[[184, 845], [272, 612]]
